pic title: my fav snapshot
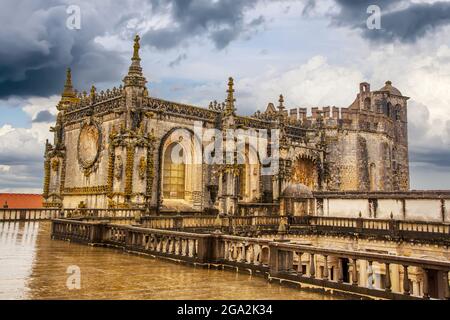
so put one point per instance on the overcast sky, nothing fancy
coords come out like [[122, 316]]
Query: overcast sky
[[314, 52]]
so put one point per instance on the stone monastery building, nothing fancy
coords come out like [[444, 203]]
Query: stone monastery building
[[112, 149]]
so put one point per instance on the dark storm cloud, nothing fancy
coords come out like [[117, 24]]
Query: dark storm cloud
[[36, 46], [44, 116], [439, 158], [425, 146], [400, 19], [221, 21]]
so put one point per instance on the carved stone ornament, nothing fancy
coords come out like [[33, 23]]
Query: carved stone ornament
[[55, 164], [118, 167], [89, 144], [142, 168]]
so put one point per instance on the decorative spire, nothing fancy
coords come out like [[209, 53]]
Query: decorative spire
[[281, 105], [135, 67], [135, 76], [230, 109], [68, 88], [68, 95], [93, 94]]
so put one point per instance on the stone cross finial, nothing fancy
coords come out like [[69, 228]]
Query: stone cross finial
[[135, 77], [136, 47]]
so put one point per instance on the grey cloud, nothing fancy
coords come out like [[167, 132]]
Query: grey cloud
[[178, 60], [310, 5], [36, 47], [401, 20], [44, 116], [425, 146], [28, 176], [439, 158], [221, 21]]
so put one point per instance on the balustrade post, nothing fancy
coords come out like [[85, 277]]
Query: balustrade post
[[354, 272], [242, 258], [387, 281], [341, 271], [178, 222], [426, 294], [446, 288], [312, 266], [370, 276], [273, 259], [299, 266], [95, 235], [406, 288], [203, 253], [325, 268], [187, 248]]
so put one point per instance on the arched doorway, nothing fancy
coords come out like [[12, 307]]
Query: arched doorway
[[180, 180]]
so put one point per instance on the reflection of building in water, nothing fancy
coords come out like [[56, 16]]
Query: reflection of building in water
[[113, 149]]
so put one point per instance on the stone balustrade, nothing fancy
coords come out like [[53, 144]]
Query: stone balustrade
[[362, 273], [103, 213], [28, 214], [224, 223], [393, 229], [47, 214], [262, 209]]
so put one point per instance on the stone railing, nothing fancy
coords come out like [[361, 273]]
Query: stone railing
[[28, 214], [364, 273], [396, 229], [427, 206], [224, 223], [103, 213], [261, 209], [357, 272], [47, 214], [184, 246], [76, 231]]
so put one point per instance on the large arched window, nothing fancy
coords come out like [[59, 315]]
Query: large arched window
[[174, 173]]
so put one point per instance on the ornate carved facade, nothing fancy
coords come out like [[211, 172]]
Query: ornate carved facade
[[116, 148]]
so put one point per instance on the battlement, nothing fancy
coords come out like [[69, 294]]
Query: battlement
[[344, 118]]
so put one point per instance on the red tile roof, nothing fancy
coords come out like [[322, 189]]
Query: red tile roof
[[21, 201]]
